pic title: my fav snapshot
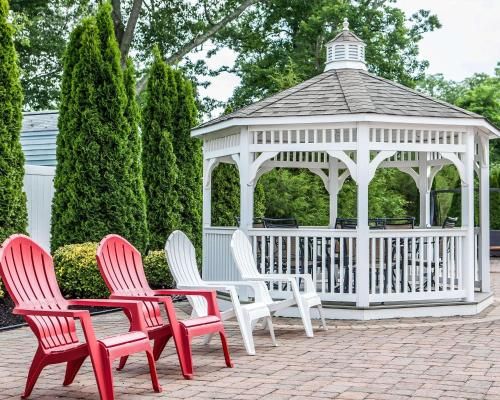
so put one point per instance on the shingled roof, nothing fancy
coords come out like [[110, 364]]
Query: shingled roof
[[347, 91]]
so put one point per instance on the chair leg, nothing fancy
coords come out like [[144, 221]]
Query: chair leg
[[305, 314], [105, 380], [186, 357], [247, 336], [159, 345], [152, 371], [322, 316], [37, 365], [271, 330], [225, 348], [123, 361], [72, 369]]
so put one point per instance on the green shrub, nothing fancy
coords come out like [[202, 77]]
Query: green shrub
[[157, 271], [79, 277], [77, 271]]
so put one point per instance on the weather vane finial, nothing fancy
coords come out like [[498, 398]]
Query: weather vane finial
[[346, 24]]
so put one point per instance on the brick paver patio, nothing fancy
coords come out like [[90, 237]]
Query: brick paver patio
[[448, 358]]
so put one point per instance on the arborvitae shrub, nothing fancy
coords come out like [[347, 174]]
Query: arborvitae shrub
[[95, 182], [160, 170]]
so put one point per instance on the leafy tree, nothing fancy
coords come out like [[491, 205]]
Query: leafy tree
[[189, 158], [495, 196], [13, 213], [290, 36], [41, 33], [94, 183], [160, 170], [179, 27]]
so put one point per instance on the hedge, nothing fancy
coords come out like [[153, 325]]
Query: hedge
[[79, 277]]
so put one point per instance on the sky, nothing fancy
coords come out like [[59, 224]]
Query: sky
[[468, 42]]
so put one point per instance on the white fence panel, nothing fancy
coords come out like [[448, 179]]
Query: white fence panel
[[39, 189]]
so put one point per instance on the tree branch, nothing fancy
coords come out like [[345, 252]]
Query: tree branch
[[128, 35], [117, 19], [202, 38]]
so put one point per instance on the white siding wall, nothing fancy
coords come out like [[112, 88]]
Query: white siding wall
[[39, 188]]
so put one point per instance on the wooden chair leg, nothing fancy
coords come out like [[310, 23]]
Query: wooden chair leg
[[38, 363], [152, 371], [72, 369], [225, 348]]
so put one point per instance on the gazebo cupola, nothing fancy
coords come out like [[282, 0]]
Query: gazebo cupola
[[346, 50]]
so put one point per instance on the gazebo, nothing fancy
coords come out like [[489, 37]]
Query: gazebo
[[347, 122]]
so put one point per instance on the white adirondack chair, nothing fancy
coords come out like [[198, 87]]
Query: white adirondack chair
[[243, 257], [181, 258]]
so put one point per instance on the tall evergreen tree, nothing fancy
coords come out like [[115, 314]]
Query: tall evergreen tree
[[13, 212], [160, 170], [189, 159], [95, 193], [132, 113]]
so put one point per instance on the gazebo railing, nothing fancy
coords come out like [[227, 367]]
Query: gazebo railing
[[405, 265], [416, 265]]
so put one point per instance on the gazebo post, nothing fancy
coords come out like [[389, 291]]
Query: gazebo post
[[468, 216], [333, 189], [484, 207], [246, 186], [423, 189], [207, 194], [363, 232]]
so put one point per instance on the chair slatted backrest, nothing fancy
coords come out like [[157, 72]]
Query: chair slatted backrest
[[400, 223], [280, 223], [450, 222], [181, 257], [243, 257], [122, 269], [28, 274]]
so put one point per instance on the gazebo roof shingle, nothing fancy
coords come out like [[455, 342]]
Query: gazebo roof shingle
[[347, 91]]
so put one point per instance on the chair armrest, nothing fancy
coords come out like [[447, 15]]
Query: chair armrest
[[132, 305], [50, 313], [309, 286], [209, 295]]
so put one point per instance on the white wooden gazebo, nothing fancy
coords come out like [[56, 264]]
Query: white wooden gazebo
[[347, 122]]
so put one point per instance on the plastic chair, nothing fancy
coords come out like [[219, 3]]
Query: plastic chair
[[243, 257], [181, 258], [28, 274], [121, 267]]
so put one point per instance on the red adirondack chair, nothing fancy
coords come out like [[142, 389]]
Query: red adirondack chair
[[28, 274], [121, 267]]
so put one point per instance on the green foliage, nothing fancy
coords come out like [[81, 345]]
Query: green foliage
[[157, 271], [385, 198], [298, 194], [282, 42], [79, 277], [132, 113], [160, 170], [226, 196], [77, 272], [189, 159], [95, 182], [495, 196], [41, 33], [13, 213]]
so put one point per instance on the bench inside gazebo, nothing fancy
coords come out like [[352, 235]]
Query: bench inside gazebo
[[347, 122]]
